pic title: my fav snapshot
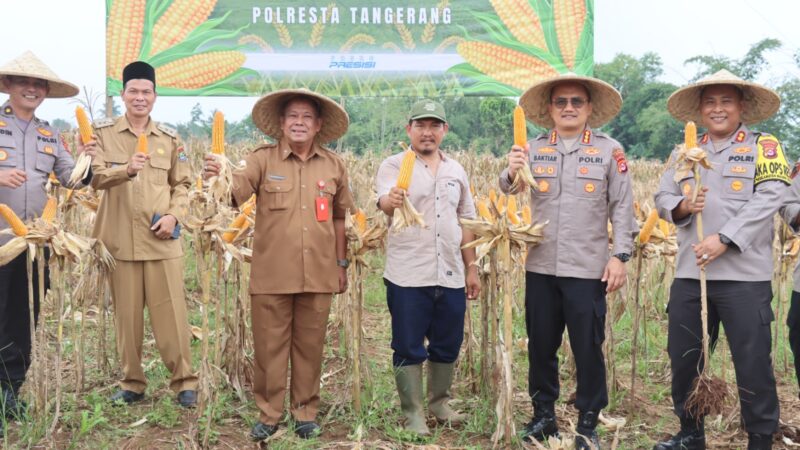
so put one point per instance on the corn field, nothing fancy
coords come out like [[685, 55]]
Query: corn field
[[75, 367]]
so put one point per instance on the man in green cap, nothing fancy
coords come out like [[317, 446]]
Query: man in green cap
[[428, 276]]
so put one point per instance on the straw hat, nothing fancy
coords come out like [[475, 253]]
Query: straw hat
[[267, 114], [606, 101], [760, 102], [28, 65]]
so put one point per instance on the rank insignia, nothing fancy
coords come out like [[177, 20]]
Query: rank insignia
[[589, 187], [553, 137], [587, 137], [740, 136], [737, 185], [44, 132], [3, 124], [538, 170], [544, 186], [3, 155], [742, 150], [704, 140], [739, 169], [592, 151], [547, 150]]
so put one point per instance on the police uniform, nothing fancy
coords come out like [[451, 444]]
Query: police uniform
[[789, 212], [149, 270], [745, 187]]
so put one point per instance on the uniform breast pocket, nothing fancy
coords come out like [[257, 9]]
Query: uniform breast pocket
[[451, 190], [686, 185], [159, 170], [8, 152], [546, 176], [329, 190], [590, 181], [46, 156], [278, 195], [738, 181]]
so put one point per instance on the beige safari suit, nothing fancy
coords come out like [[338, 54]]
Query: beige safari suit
[[149, 270]]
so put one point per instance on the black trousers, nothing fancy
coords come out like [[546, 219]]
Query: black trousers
[[793, 322], [15, 326], [551, 303], [743, 308]]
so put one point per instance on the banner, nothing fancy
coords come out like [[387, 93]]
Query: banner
[[349, 47]]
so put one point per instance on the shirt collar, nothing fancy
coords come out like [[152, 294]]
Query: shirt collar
[[7, 111], [742, 133], [150, 128], [286, 151]]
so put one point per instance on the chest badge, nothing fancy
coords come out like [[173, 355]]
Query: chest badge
[[44, 132], [737, 185], [538, 170], [160, 151], [48, 149], [3, 124], [3, 155], [551, 170], [589, 187], [544, 186], [583, 170], [687, 189]]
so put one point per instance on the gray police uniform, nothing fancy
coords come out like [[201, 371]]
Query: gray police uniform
[[789, 211]]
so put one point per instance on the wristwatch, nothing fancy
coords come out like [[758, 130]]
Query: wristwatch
[[344, 263], [624, 257]]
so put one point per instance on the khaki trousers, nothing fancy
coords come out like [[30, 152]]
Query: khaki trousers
[[283, 326], [159, 285]]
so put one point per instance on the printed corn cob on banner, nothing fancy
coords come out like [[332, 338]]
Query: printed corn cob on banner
[[349, 48]]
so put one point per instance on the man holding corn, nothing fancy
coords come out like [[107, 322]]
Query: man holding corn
[[30, 150], [143, 169], [299, 249], [740, 195], [583, 181], [428, 276]]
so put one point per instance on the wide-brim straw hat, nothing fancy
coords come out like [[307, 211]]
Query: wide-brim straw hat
[[606, 101], [267, 114], [28, 65], [760, 102]]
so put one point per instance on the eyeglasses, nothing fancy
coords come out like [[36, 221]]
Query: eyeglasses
[[561, 102]]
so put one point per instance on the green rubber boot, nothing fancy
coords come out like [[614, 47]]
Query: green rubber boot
[[409, 387], [440, 378]]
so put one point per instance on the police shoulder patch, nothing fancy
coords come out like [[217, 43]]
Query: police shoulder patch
[[771, 164], [102, 123], [168, 130]]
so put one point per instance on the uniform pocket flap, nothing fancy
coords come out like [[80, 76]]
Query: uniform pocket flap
[[592, 172], [160, 163], [274, 186], [7, 141], [739, 170], [115, 158]]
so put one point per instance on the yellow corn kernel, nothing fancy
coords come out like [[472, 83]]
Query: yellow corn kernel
[[501, 202], [406, 169], [521, 20], [199, 183], [647, 228], [52, 178], [240, 223], [124, 31], [49, 211], [141, 144], [84, 126], [493, 197], [527, 217], [180, 19], [520, 127], [690, 135], [13, 220], [663, 225], [569, 17], [483, 211], [511, 67], [218, 134], [196, 71], [511, 210], [361, 221]]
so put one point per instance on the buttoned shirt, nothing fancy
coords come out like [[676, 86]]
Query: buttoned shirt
[[128, 205], [38, 151], [431, 255], [746, 185], [293, 252], [580, 188]]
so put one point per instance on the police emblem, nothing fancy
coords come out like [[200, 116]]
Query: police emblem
[[551, 170], [160, 151], [737, 185], [687, 189], [583, 170], [769, 148], [48, 149], [589, 187], [3, 155], [544, 186], [538, 170]]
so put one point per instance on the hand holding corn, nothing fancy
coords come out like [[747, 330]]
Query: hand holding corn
[[517, 159], [136, 163], [211, 166]]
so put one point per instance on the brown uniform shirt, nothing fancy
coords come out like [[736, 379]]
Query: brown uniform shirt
[[293, 252], [580, 188], [127, 207]]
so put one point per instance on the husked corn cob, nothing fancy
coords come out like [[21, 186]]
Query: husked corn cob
[[483, 211], [361, 221], [690, 135], [199, 183], [520, 127], [505, 65], [84, 126], [663, 225], [647, 228], [52, 178], [527, 217], [196, 71], [501, 202], [511, 210], [521, 20], [11, 218], [49, 211], [406, 170], [141, 144], [178, 21], [124, 34], [569, 16], [218, 134], [240, 222]]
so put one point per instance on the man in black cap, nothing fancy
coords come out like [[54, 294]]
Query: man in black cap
[[146, 196]]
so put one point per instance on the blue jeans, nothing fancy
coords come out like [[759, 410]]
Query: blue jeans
[[432, 312]]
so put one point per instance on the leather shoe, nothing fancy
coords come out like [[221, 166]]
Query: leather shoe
[[307, 430], [543, 424], [126, 397], [262, 431], [187, 399], [757, 441]]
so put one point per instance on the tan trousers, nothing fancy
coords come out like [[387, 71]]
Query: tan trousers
[[283, 326], [159, 285]]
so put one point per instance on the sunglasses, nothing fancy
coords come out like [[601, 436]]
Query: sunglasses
[[577, 102]]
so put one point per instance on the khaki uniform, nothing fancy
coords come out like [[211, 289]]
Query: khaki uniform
[[746, 185], [293, 272], [149, 270]]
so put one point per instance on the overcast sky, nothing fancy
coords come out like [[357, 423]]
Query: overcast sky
[[68, 35]]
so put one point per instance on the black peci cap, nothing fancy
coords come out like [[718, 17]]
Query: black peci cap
[[138, 70]]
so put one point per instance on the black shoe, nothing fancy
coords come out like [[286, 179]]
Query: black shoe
[[126, 397], [187, 399], [307, 430], [757, 441], [543, 424], [587, 438], [262, 431], [686, 439]]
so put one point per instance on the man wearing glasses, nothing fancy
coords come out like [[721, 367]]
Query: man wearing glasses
[[582, 181]]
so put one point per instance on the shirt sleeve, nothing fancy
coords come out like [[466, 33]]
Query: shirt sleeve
[[620, 206], [466, 205], [750, 219], [388, 172], [179, 178], [669, 196], [247, 180], [343, 200]]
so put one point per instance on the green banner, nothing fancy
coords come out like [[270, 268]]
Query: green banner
[[349, 48]]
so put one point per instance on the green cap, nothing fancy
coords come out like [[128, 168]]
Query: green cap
[[427, 109]]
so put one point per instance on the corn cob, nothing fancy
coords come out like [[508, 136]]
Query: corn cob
[[521, 20], [218, 134], [180, 19], [511, 210], [520, 127], [406, 170], [361, 221], [527, 217], [200, 70], [199, 183], [483, 211], [493, 197], [240, 223], [49, 212], [569, 16], [690, 135], [141, 144], [123, 35], [663, 225], [84, 126], [505, 65], [647, 228], [11, 218], [501, 202], [53, 180]]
